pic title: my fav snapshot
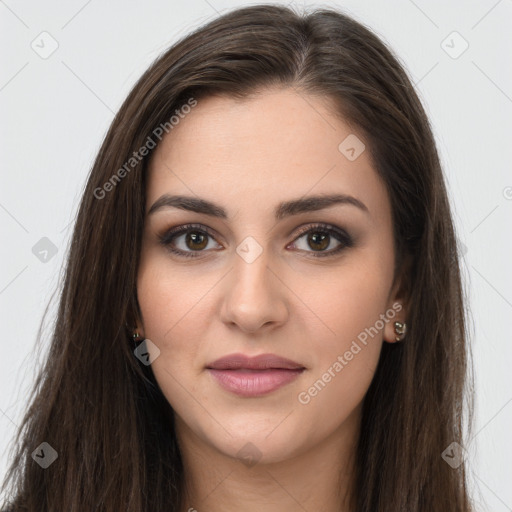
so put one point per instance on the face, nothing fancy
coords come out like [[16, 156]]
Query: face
[[254, 275]]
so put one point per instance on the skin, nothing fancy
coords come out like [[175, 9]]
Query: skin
[[248, 156]]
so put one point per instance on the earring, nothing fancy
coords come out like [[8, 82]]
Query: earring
[[135, 335], [400, 330]]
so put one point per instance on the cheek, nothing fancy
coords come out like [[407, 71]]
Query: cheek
[[352, 307], [171, 303], [174, 315], [350, 300]]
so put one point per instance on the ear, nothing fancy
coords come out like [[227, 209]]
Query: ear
[[398, 305]]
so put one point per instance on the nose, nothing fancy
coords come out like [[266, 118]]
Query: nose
[[255, 296]]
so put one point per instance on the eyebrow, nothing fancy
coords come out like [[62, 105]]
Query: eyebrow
[[283, 210]]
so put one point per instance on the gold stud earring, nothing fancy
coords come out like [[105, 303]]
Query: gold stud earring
[[400, 330]]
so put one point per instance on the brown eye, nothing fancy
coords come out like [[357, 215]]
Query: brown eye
[[187, 240], [196, 240], [190, 241], [319, 237], [318, 241]]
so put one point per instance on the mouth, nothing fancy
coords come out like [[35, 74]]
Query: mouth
[[254, 376]]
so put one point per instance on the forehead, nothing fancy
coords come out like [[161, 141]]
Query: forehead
[[257, 152]]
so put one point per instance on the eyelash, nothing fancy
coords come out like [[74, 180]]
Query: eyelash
[[168, 237]]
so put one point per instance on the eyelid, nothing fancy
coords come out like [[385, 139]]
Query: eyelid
[[306, 228], [183, 228]]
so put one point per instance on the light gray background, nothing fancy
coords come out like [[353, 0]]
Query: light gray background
[[55, 112]]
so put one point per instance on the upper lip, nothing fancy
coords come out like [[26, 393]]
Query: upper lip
[[260, 362]]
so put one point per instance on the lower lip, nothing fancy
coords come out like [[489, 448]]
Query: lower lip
[[254, 383]]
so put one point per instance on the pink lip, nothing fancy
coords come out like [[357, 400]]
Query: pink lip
[[260, 362], [254, 376], [253, 382]]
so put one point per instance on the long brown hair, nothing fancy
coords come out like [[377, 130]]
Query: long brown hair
[[101, 409]]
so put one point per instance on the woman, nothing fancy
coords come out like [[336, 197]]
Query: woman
[[262, 306]]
